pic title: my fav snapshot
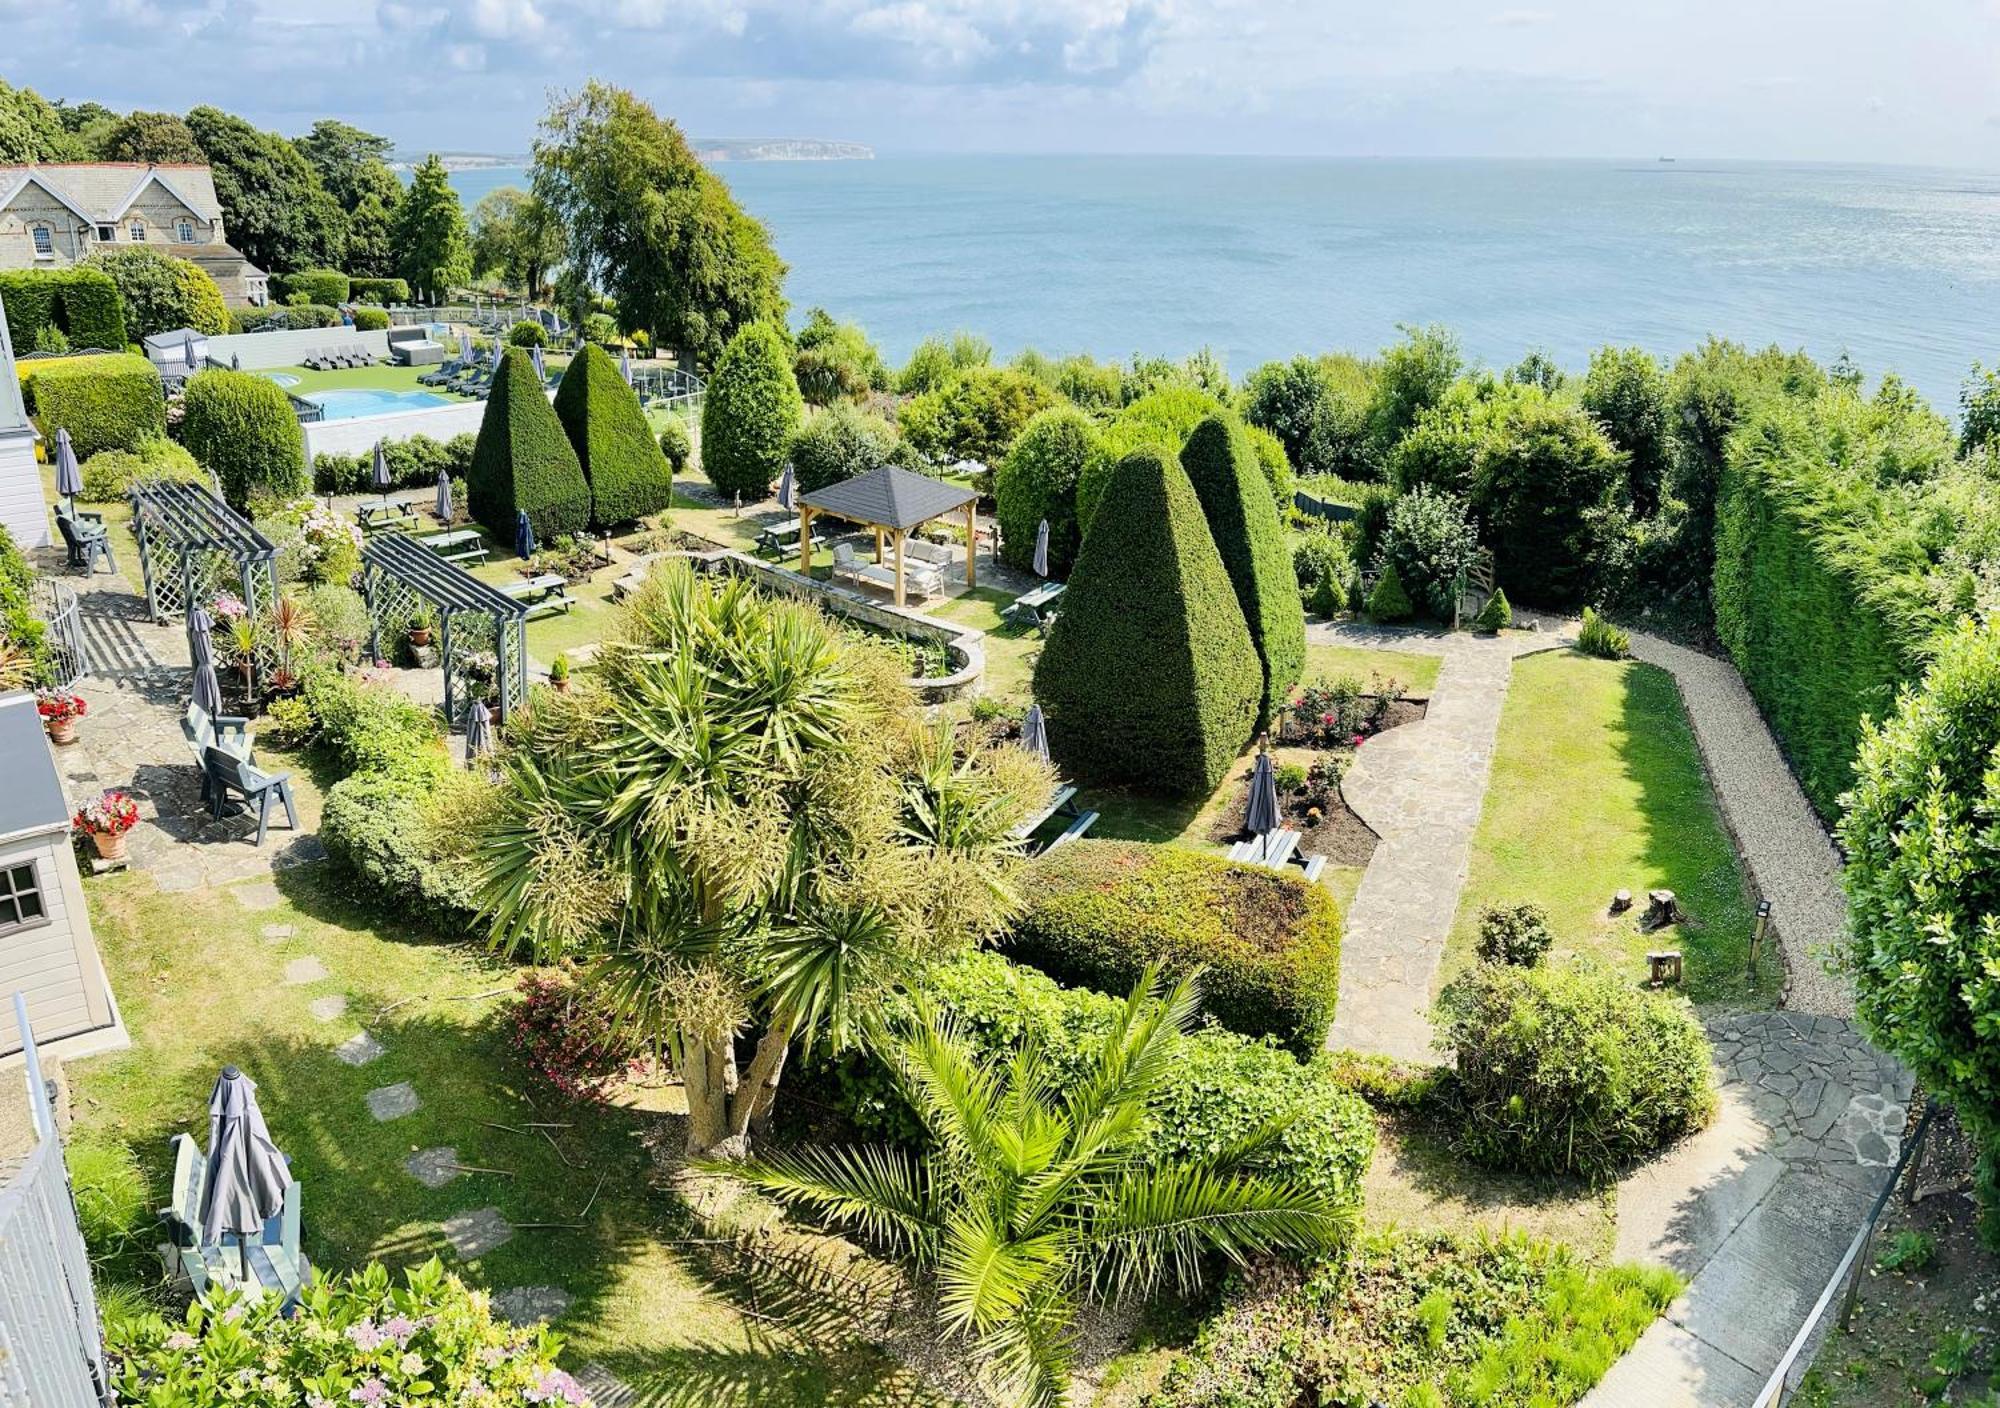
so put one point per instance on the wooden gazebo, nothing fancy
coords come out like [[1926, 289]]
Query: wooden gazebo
[[893, 502]]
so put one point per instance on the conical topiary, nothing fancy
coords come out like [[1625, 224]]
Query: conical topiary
[[1149, 676], [1389, 602], [522, 461], [748, 416], [1496, 615], [622, 463], [1235, 497]]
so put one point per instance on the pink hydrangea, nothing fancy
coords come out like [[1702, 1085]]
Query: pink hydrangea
[[181, 1340], [367, 1335], [399, 1328], [372, 1391], [556, 1387]]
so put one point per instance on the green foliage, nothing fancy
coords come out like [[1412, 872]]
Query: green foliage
[[1387, 601], [1597, 636], [274, 206], [676, 444], [628, 475], [340, 618], [527, 333], [1429, 540], [1100, 913], [335, 1348], [1277, 470], [1441, 450], [159, 293], [114, 1207], [523, 462], [1222, 466], [1497, 615], [1514, 933], [1149, 676], [377, 826], [1549, 487], [1412, 375], [371, 320], [380, 291], [1910, 1250], [30, 128], [433, 250], [109, 473], [105, 403], [939, 361], [836, 361], [24, 649], [373, 729], [240, 425], [1570, 1069], [352, 164], [1317, 408], [413, 464], [515, 237], [81, 302], [1923, 902], [1321, 555], [838, 444], [1162, 418], [1627, 391], [1038, 480], [975, 416], [292, 317], [751, 410], [323, 286], [1979, 410]]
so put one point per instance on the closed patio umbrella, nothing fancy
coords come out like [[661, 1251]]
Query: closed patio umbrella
[[1035, 733], [1042, 549], [187, 346], [465, 347], [1262, 816], [524, 535], [69, 479], [535, 356], [446, 511], [496, 354], [245, 1181], [236, 361], [786, 482], [625, 364], [381, 475], [207, 691], [478, 731], [200, 629]]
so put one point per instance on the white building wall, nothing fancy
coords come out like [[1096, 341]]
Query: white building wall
[[56, 965], [287, 347], [22, 510], [348, 437]]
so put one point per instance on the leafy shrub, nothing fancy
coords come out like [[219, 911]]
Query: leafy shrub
[[627, 474], [1514, 933], [527, 333], [838, 444], [357, 1337], [1317, 409], [377, 826], [747, 419], [324, 286], [1150, 604], [676, 445], [380, 291], [1410, 377], [1429, 541], [523, 462], [105, 403], [1599, 637], [568, 1037], [24, 649], [160, 293], [371, 320], [1223, 1085], [1496, 615], [1162, 418], [292, 317], [1549, 487], [241, 426], [976, 416], [1570, 1069], [1388, 601], [81, 302], [109, 473], [1097, 913], [938, 361], [1441, 449], [114, 1207], [374, 728], [1038, 480], [413, 464], [836, 360], [1909, 1250], [1320, 554], [1627, 391], [1234, 499]]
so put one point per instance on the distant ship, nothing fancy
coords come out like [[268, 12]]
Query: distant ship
[[1666, 158]]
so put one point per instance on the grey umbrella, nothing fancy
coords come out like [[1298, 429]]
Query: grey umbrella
[[1035, 733], [478, 731], [625, 364], [465, 347], [785, 484], [445, 509], [1042, 549], [245, 1181], [535, 356], [496, 354], [187, 346], [1262, 816], [207, 689], [69, 479], [199, 628], [381, 475]]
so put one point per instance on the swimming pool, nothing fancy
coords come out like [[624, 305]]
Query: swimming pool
[[346, 405]]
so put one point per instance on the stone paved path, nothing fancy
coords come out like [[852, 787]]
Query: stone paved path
[[1420, 787]]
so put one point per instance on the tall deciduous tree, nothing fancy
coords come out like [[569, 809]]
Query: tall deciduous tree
[[151, 136], [30, 128], [650, 225], [515, 236], [433, 250], [275, 208], [351, 163]]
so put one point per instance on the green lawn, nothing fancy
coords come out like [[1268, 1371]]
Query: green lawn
[[1418, 673], [1597, 786], [200, 986]]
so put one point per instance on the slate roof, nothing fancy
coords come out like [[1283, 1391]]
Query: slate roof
[[32, 800], [102, 191], [890, 497]]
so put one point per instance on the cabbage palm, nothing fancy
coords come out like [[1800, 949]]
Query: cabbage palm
[[1028, 1200]]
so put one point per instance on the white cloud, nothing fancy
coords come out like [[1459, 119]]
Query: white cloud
[[466, 58], [1522, 19], [507, 19], [932, 30]]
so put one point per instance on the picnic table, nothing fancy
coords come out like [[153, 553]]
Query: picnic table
[[783, 537], [1274, 850], [386, 515], [1034, 605], [1062, 802], [459, 545], [544, 594]]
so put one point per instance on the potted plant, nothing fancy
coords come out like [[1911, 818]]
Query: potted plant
[[60, 709], [559, 674], [422, 622], [106, 821]]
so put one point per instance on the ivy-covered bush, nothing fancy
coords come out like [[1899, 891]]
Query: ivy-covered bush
[[747, 419], [1222, 1086], [1236, 500], [355, 1339], [241, 426], [105, 403], [371, 320], [1569, 1068], [381, 291], [838, 444], [160, 293], [109, 473], [1097, 913], [1429, 540], [1149, 676], [80, 302], [413, 464], [1038, 480], [523, 462], [627, 474], [326, 286]]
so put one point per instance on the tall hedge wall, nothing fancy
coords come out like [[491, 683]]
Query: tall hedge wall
[[1222, 465], [241, 426], [327, 286], [1149, 676], [105, 403], [621, 460], [523, 461], [81, 301]]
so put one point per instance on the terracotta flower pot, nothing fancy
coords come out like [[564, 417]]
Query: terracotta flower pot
[[62, 732], [110, 845], [420, 635]]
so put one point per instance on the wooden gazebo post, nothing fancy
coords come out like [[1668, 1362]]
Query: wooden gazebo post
[[899, 567], [805, 540], [971, 541]]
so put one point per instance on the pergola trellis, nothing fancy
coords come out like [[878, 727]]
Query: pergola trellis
[[399, 571], [193, 546]]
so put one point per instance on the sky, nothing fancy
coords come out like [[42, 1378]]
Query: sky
[[1899, 81]]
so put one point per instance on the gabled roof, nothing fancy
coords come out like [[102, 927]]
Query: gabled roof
[[30, 177], [102, 191], [890, 498], [155, 175], [32, 800]]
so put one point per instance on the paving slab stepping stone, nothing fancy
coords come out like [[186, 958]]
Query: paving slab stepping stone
[[433, 1167], [328, 1009], [358, 1050], [392, 1102], [277, 933], [259, 894], [605, 1388], [301, 971], [473, 1234], [530, 1305]]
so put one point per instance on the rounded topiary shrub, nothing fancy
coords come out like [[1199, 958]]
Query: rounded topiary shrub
[[1097, 913], [627, 474], [241, 426], [109, 473], [1514, 933], [839, 444], [676, 444], [1038, 481], [1570, 1068], [747, 419], [1149, 676], [1388, 601], [371, 319], [105, 403], [527, 334], [523, 462]]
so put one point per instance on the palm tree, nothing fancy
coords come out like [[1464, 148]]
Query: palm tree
[[1030, 1200]]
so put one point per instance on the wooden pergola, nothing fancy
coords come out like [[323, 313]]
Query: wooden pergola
[[893, 502]]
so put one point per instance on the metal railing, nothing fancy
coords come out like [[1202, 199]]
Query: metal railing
[[1845, 1283], [55, 604]]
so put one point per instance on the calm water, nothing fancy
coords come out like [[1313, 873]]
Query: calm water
[[1260, 258]]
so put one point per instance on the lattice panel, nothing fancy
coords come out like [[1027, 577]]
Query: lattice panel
[[391, 604], [514, 655]]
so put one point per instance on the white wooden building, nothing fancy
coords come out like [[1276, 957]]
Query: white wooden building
[[22, 510]]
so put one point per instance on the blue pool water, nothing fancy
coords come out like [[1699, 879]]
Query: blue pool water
[[346, 405]]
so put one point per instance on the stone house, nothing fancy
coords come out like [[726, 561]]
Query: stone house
[[59, 214]]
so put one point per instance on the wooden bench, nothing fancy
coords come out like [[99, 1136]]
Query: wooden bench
[[1076, 829], [203, 731], [545, 595], [390, 515], [460, 545], [269, 1260]]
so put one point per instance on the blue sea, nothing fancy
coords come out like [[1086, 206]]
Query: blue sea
[[1265, 257]]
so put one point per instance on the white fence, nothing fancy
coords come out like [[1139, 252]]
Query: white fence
[[51, 1348], [358, 433]]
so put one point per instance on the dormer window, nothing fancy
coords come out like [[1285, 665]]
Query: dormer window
[[106, 234], [45, 242], [138, 232], [184, 232]]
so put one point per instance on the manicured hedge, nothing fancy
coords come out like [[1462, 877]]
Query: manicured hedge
[[1099, 912], [241, 426], [523, 462], [1236, 499], [323, 286], [838, 444], [109, 473], [1149, 676], [1038, 480], [747, 419], [105, 403], [300, 315], [20, 627], [382, 291], [413, 464], [1220, 1086], [371, 320], [627, 474], [79, 301]]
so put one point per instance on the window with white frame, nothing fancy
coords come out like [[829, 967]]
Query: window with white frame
[[138, 232], [184, 232], [21, 901], [45, 239]]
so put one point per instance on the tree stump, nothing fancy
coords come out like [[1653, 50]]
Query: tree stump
[[1664, 967], [1661, 909], [1621, 901]]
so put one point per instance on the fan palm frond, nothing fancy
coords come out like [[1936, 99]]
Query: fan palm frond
[[883, 1193]]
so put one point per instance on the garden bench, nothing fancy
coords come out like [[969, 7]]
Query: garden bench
[[1272, 850], [545, 594], [269, 1260], [1063, 800], [228, 774], [386, 515], [459, 545], [1034, 605], [781, 538], [86, 538], [203, 731], [1075, 831]]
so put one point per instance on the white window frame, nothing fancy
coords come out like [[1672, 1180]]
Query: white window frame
[[10, 896], [137, 231], [44, 239], [184, 231]]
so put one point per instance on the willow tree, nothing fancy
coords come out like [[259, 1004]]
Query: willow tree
[[742, 823]]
